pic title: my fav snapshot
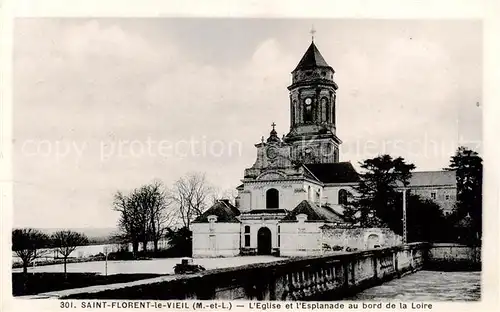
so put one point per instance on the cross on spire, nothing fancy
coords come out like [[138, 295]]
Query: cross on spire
[[273, 125], [312, 32]]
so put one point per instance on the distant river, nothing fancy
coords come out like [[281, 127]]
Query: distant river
[[427, 286]]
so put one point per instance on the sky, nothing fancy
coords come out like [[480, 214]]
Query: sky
[[102, 105]]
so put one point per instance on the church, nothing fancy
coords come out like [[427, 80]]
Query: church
[[290, 202]]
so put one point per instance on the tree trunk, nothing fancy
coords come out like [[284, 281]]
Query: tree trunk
[[154, 234], [155, 245], [25, 268], [65, 272], [135, 247]]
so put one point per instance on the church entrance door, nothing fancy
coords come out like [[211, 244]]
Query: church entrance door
[[264, 241]]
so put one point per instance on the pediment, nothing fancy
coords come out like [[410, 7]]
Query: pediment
[[271, 175]]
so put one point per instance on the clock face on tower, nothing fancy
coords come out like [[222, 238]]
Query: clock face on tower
[[308, 101]]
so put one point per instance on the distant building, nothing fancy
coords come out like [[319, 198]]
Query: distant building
[[439, 186]]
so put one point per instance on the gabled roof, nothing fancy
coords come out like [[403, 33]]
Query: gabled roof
[[341, 172], [311, 59], [433, 178], [223, 209], [308, 174], [314, 213]]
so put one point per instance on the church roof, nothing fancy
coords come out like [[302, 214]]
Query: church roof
[[223, 209], [341, 172], [314, 213], [433, 178], [311, 59]]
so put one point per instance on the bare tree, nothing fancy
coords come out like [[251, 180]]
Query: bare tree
[[144, 214], [140, 203], [152, 202], [191, 195], [128, 221], [218, 194], [27, 244], [66, 242]]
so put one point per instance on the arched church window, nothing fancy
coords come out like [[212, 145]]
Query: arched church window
[[308, 111], [324, 109], [342, 197], [272, 198], [333, 107]]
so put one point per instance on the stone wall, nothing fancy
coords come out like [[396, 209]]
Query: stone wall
[[300, 239], [334, 239], [312, 239], [309, 278], [452, 257]]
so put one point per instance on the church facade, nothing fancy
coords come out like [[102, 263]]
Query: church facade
[[291, 199]]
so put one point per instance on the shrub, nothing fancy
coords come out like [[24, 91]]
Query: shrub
[[180, 241], [121, 255]]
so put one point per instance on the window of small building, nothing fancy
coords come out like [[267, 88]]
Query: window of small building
[[447, 197], [433, 195], [247, 236], [342, 197]]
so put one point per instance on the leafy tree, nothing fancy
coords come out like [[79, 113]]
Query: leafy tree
[[66, 242], [180, 241], [425, 220], [27, 244], [469, 172], [377, 200]]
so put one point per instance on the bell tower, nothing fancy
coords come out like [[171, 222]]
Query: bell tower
[[312, 110]]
